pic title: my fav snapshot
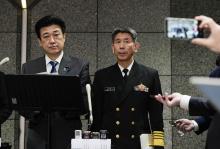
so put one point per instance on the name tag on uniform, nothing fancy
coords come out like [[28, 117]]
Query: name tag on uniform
[[109, 89]]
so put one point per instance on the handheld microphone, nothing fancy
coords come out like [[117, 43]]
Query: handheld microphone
[[88, 90], [4, 60]]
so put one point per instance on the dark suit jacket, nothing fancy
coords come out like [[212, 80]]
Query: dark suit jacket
[[199, 107], [63, 123], [204, 121], [123, 111]]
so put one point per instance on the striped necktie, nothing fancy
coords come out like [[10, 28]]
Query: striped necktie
[[53, 64]]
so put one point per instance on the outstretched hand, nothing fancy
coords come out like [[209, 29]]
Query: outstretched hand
[[169, 100]]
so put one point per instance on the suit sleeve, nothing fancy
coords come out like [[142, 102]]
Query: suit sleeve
[[85, 79], [97, 105], [84, 75], [156, 113], [203, 123], [197, 106]]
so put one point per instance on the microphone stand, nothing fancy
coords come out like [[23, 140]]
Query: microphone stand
[[88, 90]]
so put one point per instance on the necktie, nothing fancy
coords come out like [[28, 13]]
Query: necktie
[[126, 74], [53, 64]]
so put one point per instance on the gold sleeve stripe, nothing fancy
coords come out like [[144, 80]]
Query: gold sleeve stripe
[[158, 135], [158, 142], [158, 132], [158, 138]]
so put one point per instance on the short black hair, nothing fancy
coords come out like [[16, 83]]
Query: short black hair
[[128, 30], [47, 21]]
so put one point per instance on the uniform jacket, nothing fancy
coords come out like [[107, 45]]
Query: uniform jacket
[[123, 110], [198, 107], [63, 123]]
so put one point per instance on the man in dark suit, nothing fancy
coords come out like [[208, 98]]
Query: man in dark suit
[[196, 106], [122, 102], [50, 31], [200, 124]]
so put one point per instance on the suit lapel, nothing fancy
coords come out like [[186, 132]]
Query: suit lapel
[[117, 79], [41, 65], [133, 79]]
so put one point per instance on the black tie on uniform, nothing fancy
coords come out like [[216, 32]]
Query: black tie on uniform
[[126, 74], [53, 64]]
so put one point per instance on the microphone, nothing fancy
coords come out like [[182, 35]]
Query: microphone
[[4, 60], [88, 90]]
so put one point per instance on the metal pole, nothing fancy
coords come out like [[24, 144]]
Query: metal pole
[[23, 60]]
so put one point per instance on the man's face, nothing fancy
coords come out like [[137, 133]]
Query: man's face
[[52, 40], [124, 47]]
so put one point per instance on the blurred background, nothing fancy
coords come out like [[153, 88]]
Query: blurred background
[[89, 26]]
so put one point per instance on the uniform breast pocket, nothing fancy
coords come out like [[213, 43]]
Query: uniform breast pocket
[[109, 94], [140, 98]]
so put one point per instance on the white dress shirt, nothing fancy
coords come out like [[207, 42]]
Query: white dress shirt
[[48, 65], [129, 68]]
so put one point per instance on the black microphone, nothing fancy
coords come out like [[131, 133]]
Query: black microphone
[[4, 60]]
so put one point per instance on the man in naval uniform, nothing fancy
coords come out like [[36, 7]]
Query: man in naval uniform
[[122, 96]]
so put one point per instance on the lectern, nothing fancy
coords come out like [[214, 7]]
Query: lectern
[[47, 93]]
